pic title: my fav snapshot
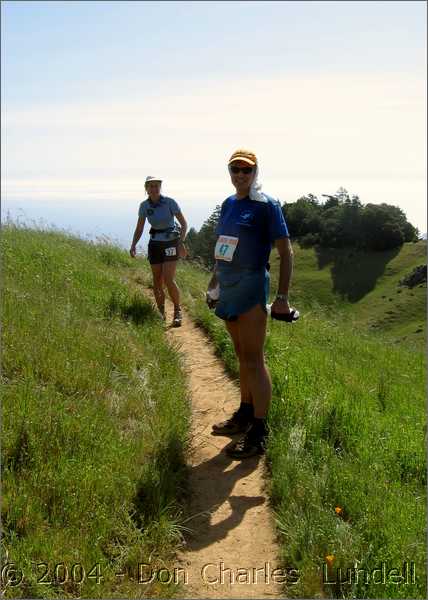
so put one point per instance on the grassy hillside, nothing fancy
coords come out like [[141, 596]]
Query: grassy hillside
[[347, 448], [95, 423], [363, 287]]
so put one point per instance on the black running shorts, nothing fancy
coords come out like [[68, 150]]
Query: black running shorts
[[160, 252]]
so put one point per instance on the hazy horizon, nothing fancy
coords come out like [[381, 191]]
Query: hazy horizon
[[118, 226]]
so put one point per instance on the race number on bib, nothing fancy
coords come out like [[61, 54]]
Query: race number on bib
[[170, 251], [225, 247]]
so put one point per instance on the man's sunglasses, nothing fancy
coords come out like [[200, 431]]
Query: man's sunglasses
[[245, 170]]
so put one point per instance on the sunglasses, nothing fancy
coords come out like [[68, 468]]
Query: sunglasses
[[245, 170]]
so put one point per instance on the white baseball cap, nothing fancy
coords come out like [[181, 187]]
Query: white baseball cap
[[151, 178]]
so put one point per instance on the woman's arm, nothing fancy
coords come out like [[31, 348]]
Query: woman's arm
[[180, 218], [213, 281], [285, 251], [182, 248], [283, 245], [137, 234], [212, 294]]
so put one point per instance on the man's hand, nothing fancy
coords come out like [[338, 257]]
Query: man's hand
[[133, 251]]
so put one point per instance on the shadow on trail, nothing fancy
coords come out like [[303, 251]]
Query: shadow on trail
[[214, 481]]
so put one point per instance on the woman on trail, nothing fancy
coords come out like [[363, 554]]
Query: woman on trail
[[250, 224], [166, 243]]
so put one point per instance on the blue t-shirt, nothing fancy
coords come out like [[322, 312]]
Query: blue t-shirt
[[160, 215], [257, 225]]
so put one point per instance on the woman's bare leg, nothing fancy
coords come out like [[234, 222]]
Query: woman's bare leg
[[168, 273], [158, 285], [233, 329], [252, 334]]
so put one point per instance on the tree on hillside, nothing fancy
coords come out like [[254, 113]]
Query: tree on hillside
[[351, 221], [202, 244], [303, 216], [341, 221], [191, 242], [383, 226], [332, 202], [331, 234]]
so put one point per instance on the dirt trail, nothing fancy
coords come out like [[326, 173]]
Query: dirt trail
[[232, 551]]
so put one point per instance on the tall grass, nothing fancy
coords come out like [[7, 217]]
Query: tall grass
[[364, 287], [95, 422], [346, 449], [95, 426]]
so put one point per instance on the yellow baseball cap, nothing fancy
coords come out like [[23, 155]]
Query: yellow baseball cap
[[245, 155]]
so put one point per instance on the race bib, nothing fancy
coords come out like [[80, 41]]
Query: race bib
[[225, 247], [171, 251]]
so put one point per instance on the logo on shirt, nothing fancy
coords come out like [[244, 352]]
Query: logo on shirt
[[150, 211], [246, 218]]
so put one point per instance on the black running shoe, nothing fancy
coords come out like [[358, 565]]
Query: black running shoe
[[177, 318], [238, 423], [249, 445]]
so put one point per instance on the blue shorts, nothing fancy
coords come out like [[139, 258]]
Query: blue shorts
[[241, 290]]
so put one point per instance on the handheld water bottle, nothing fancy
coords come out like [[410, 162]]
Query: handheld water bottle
[[212, 296], [290, 317]]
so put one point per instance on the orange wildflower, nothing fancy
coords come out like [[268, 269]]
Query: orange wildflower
[[329, 559]]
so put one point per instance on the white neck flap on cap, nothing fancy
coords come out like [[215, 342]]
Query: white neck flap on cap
[[255, 193]]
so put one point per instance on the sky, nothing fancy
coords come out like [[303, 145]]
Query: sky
[[98, 95]]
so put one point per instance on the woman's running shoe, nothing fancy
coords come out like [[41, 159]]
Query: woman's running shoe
[[178, 317], [250, 444]]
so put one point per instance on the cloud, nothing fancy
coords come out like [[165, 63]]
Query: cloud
[[296, 124], [306, 129]]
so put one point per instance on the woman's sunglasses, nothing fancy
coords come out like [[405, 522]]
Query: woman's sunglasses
[[245, 170]]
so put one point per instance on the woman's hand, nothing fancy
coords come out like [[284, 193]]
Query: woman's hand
[[182, 250], [212, 295], [282, 311], [137, 234]]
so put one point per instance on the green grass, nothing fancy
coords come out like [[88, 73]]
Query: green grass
[[96, 417], [95, 422], [348, 429], [363, 287]]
